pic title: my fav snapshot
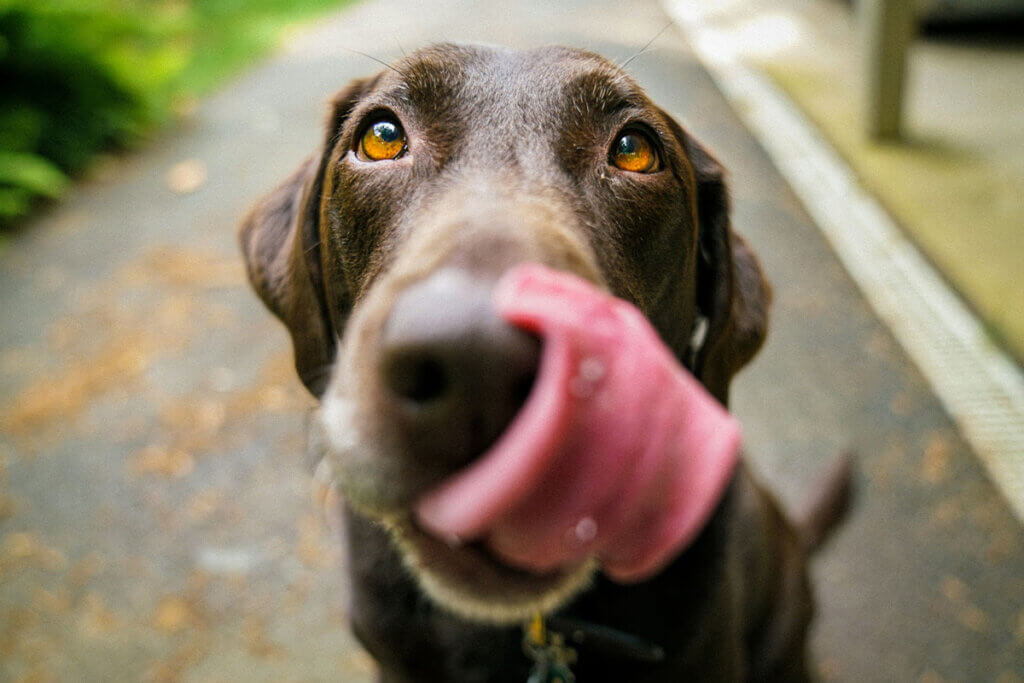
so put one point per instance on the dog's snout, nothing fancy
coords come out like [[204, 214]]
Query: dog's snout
[[455, 373]]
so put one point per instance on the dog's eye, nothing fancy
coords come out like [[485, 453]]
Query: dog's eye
[[634, 152], [382, 140]]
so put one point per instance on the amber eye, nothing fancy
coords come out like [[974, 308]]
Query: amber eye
[[634, 152], [384, 139]]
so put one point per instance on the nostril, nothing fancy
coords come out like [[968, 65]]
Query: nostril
[[417, 377], [451, 374], [521, 388]]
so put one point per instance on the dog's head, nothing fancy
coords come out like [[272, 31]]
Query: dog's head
[[434, 178]]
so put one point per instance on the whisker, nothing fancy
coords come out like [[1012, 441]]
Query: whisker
[[644, 48], [379, 61]]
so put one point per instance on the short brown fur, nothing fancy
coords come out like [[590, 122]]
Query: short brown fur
[[508, 162]]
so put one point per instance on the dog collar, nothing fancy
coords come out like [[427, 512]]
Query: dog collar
[[545, 642]]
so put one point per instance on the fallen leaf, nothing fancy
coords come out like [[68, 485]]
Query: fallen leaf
[[83, 571], [186, 176], [357, 662], [61, 397], [946, 512], [7, 507], [186, 267], [258, 642], [972, 617], [96, 619], [954, 589], [162, 460], [51, 602], [310, 548], [24, 549], [173, 614], [204, 504], [935, 463], [828, 669]]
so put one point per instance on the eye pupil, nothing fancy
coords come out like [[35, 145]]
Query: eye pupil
[[634, 152], [628, 144], [383, 139], [386, 131]]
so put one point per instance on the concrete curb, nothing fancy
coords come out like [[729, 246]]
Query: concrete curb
[[980, 387]]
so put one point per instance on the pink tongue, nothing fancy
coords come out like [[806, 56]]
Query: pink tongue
[[619, 452]]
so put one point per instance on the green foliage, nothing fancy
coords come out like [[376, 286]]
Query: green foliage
[[81, 76], [24, 177], [77, 76]]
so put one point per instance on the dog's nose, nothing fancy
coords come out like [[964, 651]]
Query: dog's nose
[[456, 374]]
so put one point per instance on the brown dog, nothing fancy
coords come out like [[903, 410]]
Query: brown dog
[[380, 255]]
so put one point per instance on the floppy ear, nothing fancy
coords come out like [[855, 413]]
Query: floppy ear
[[732, 293], [280, 241]]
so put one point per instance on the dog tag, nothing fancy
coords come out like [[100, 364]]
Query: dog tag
[[551, 657], [550, 672]]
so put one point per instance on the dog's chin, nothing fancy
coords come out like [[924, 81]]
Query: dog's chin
[[472, 583]]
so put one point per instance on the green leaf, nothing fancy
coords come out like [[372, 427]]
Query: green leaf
[[31, 173]]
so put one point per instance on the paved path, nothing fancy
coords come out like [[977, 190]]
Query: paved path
[[155, 519]]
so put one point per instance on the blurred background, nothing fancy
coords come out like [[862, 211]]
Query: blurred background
[[156, 515]]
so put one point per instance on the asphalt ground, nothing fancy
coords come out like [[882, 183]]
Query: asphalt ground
[[156, 521]]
